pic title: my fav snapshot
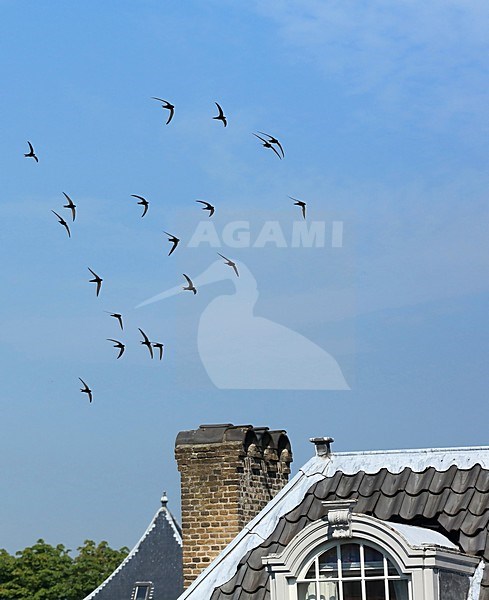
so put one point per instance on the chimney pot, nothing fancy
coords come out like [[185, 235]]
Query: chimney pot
[[323, 445]]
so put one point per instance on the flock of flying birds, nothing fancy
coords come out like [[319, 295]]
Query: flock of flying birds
[[268, 141]]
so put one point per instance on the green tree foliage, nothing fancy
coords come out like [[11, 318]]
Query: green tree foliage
[[92, 565], [45, 572]]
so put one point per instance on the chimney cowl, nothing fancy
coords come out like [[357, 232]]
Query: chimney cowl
[[323, 445]]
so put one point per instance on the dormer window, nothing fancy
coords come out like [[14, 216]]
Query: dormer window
[[352, 571], [348, 556]]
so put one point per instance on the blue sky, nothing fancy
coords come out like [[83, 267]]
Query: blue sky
[[383, 112]]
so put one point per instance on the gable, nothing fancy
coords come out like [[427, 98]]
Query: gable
[[152, 569], [454, 502]]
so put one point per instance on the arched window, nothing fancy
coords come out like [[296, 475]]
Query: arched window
[[352, 571], [359, 557]]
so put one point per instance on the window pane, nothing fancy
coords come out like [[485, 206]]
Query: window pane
[[328, 590], [375, 590], [374, 562], [141, 592], [391, 569], [352, 590], [328, 563], [398, 590], [311, 574], [306, 591], [350, 557]]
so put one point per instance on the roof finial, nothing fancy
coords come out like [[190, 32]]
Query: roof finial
[[164, 500]]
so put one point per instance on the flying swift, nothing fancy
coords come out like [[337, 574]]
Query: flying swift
[[146, 342], [118, 345], [117, 316], [98, 280], [143, 202], [273, 140], [220, 116], [168, 106], [302, 205], [174, 240], [230, 263], [207, 207], [61, 221], [70, 205], [190, 287], [86, 390], [31, 153], [267, 144], [160, 348]]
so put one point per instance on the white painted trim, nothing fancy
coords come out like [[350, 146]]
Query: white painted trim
[[475, 582], [419, 563]]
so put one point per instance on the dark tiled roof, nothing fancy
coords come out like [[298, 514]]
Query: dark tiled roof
[[454, 502], [156, 558]]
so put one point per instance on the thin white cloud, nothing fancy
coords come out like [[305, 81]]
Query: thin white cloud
[[424, 59]]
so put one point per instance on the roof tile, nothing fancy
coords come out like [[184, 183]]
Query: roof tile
[[348, 485], [413, 506], [465, 479], [442, 480], [372, 483], [478, 503], [388, 506], [455, 502], [419, 481], [394, 482]]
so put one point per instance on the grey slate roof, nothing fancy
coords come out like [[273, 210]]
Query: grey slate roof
[[443, 496], [156, 558]]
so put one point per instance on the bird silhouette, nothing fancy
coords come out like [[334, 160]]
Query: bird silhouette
[[168, 106], [174, 240], [255, 352], [190, 287], [207, 207], [267, 144], [146, 342], [302, 205], [160, 348], [117, 316], [220, 116], [118, 345], [62, 222], [98, 280], [273, 140], [230, 263], [143, 202], [85, 389], [31, 153], [70, 205]]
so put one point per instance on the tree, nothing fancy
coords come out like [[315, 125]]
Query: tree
[[40, 572], [45, 572], [7, 564], [92, 565]]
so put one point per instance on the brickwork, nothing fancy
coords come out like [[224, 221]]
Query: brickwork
[[228, 474]]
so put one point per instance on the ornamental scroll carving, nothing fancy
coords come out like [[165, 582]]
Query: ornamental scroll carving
[[339, 518]]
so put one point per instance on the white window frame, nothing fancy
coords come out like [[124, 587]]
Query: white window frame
[[420, 564], [362, 577], [143, 584]]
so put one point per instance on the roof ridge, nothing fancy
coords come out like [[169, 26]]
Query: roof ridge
[[411, 451]]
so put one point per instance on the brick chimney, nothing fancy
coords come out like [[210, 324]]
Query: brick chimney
[[228, 474]]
